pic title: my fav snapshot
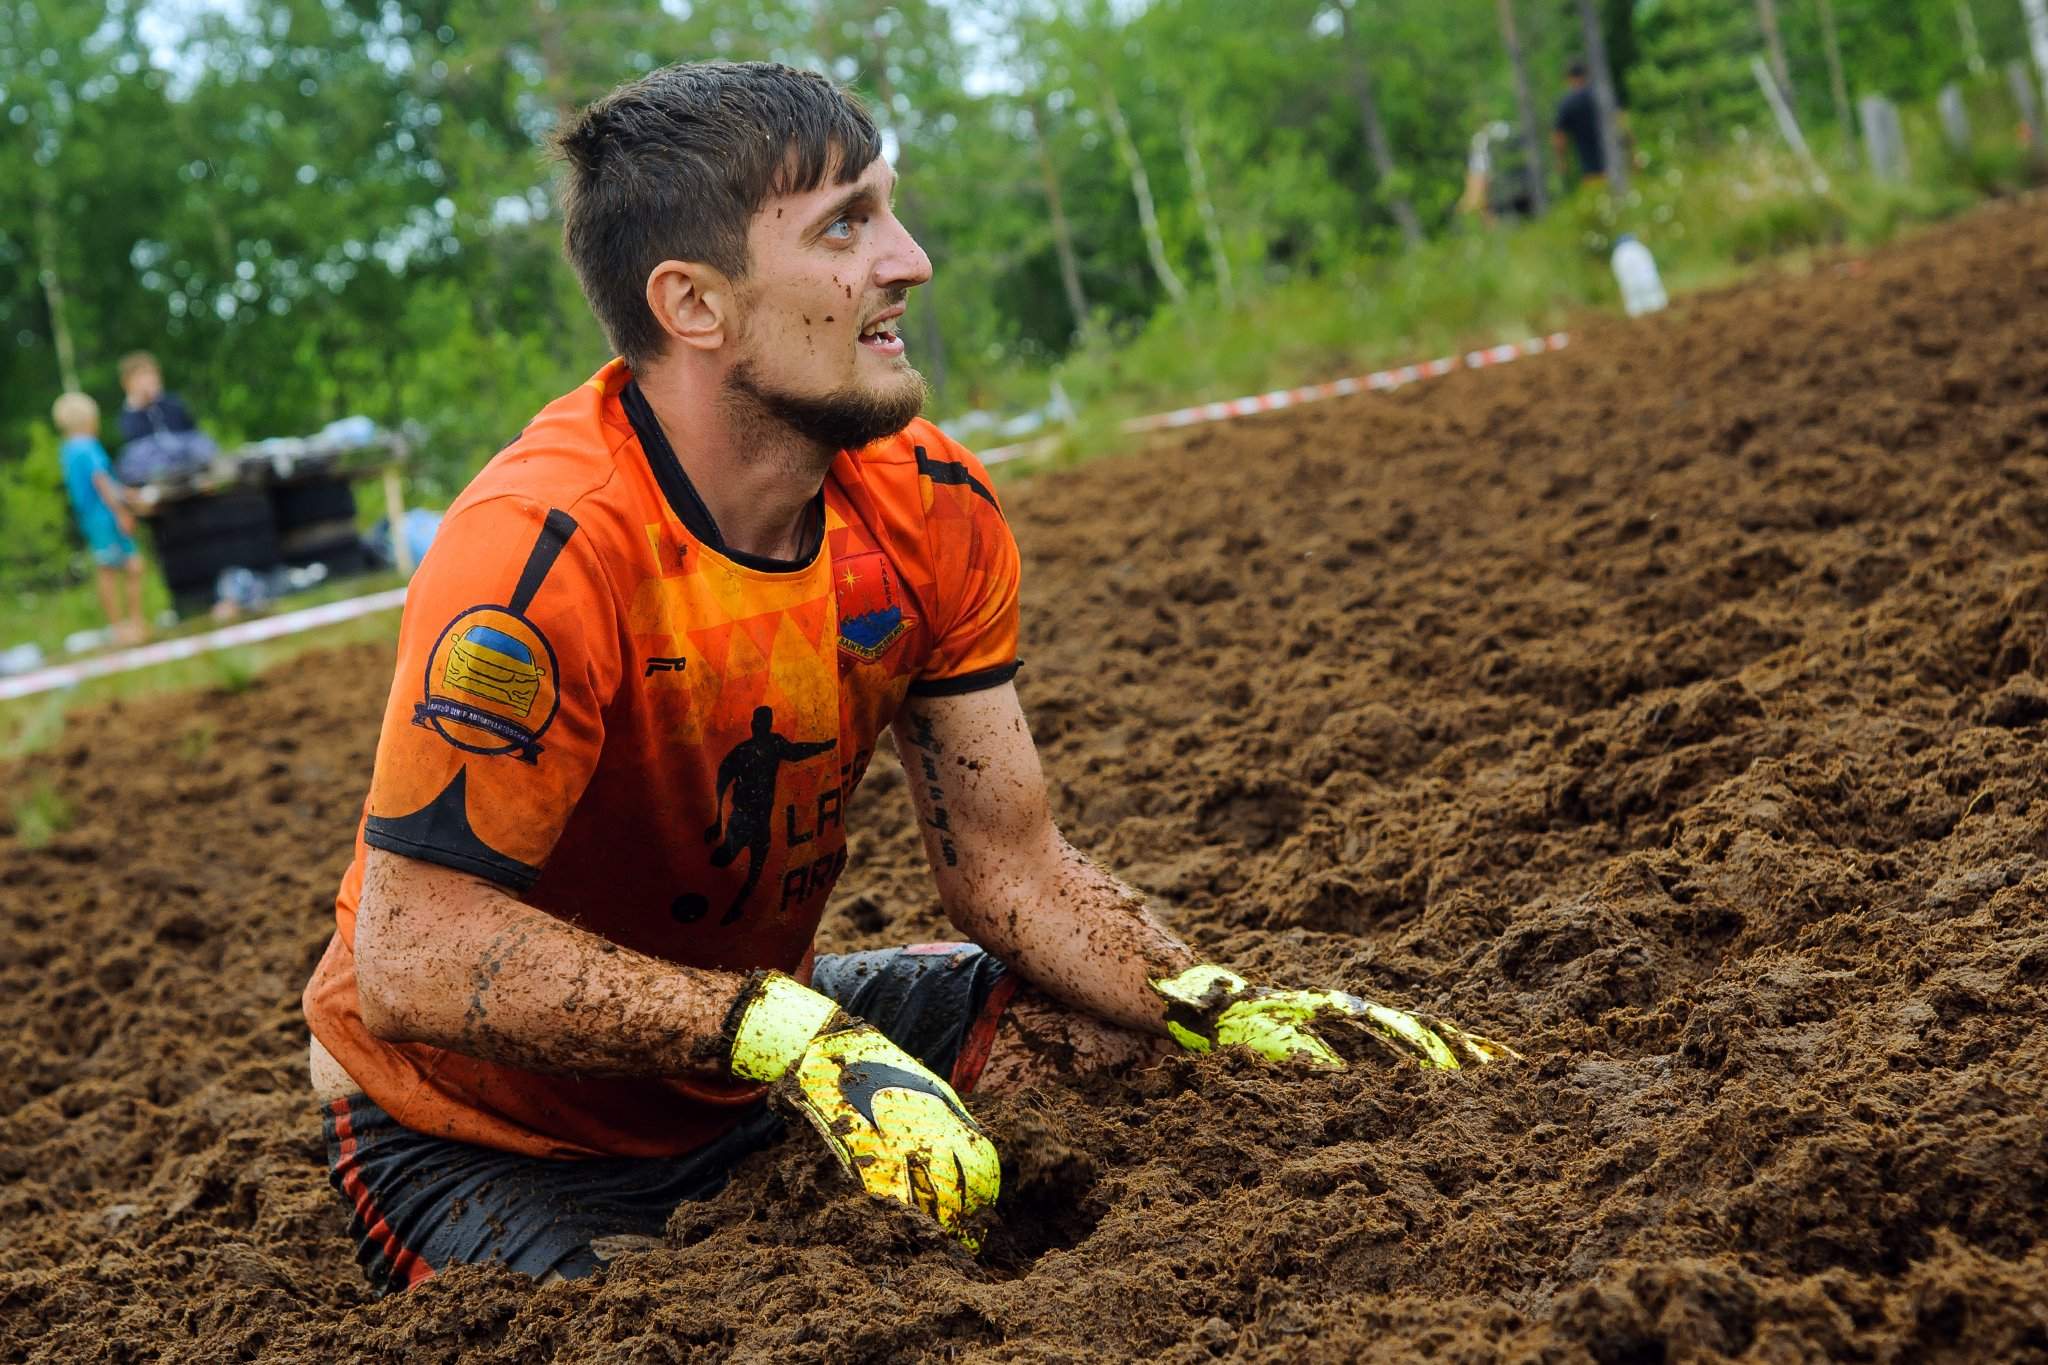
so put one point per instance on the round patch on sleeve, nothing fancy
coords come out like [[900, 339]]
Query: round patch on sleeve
[[491, 684]]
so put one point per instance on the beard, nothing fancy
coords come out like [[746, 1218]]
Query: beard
[[844, 419]]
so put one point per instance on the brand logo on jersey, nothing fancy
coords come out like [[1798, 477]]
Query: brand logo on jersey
[[490, 686], [657, 663], [871, 608]]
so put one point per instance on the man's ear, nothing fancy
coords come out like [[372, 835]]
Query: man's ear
[[692, 302]]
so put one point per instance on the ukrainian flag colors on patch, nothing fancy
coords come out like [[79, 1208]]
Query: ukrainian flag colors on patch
[[488, 663]]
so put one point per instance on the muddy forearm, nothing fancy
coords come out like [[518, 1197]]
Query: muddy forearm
[[451, 961], [1008, 878], [1081, 936]]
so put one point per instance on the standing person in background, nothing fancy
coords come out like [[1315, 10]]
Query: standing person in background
[[1578, 121], [103, 517], [158, 436], [149, 409]]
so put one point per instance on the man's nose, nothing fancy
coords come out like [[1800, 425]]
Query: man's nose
[[904, 264]]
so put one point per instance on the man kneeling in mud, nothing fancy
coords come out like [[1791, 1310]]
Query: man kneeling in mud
[[640, 674]]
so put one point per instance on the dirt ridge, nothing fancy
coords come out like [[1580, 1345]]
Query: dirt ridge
[[1672, 706]]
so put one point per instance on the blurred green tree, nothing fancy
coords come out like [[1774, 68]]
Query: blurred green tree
[[317, 207]]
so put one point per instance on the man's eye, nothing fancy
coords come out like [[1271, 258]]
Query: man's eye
[[841, 229]]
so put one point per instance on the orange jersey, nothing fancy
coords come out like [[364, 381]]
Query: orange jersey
[[602, 708]]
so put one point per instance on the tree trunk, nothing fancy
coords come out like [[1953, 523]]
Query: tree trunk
[[1205, 207], [1525, 101], [1973, 49], [1774, 45], [1376, 132], [2037, 40], [1838, 84], [1062, 235], [53, 288], [1141, 190], [2019, 78], [1603, 96]]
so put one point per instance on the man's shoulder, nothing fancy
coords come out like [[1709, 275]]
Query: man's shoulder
[[566, 459], [923, 452]]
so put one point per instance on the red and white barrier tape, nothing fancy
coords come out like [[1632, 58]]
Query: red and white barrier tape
[[1377, 381], [192, 646]]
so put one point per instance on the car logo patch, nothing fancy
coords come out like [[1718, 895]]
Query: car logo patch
[[490, 685]]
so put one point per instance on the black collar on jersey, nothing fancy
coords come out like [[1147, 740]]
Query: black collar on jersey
[[682, 494]]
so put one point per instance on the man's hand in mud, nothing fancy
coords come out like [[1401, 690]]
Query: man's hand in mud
[[1209, 1006], [895, 1127]]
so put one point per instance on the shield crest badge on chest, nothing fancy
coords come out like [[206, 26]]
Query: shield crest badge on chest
[[873, 610]]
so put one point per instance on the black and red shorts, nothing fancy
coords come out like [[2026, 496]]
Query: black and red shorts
[[420, 1204]]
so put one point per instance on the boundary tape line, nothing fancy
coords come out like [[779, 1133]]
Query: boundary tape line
[[192, 646], [1378, 381]]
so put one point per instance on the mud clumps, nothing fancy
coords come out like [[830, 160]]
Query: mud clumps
[[1671, 708]]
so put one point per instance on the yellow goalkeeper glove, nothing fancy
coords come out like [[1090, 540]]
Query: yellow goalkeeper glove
[[1209, 1006], [895, 1127]]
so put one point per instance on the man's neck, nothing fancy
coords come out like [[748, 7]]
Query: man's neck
[[755, 476]]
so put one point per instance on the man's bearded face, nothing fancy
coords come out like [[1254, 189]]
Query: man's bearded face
[[817, 336]]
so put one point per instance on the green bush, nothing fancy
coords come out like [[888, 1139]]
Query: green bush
[[2006, 168], [1880, 211], [1777, 226], [41, 548]]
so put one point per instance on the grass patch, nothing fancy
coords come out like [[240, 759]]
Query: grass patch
[[32, 723], [39, 815], [45, 616], [195, 743], [234, 670]]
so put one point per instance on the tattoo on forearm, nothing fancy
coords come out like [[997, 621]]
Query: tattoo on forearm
[[490, 962], [929, 749]]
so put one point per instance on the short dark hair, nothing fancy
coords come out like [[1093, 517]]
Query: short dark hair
[[674, 165], [1577, 71]]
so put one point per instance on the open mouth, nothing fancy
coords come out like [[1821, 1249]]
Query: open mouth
[[883, 336]]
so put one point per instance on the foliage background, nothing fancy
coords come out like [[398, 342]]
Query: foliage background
[[310, 208]]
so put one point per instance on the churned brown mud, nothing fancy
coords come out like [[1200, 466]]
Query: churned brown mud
[[1671, 708]]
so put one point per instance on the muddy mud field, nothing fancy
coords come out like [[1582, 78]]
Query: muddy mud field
[[1672, 707]]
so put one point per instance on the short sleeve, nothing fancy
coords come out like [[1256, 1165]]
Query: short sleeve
[[974, 558], [508, 654]]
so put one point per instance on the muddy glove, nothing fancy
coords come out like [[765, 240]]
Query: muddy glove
[[1209, 1006], [895, 1127]]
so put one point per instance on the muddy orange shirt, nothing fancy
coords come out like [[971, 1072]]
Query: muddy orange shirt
[[602, 708]]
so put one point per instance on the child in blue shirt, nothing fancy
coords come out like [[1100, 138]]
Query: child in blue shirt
[[103, 516]]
